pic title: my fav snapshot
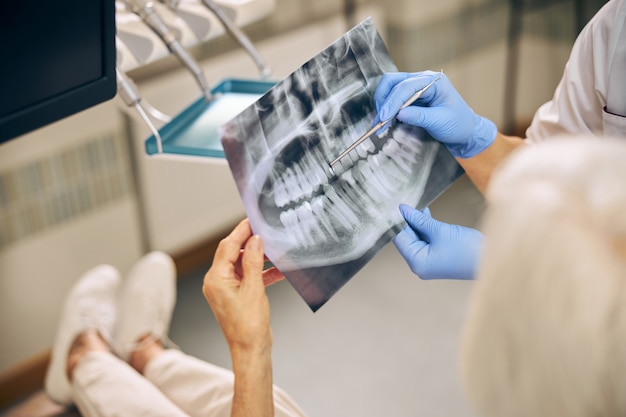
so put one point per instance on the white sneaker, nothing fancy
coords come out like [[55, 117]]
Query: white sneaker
[[146, 303], [90, 305]]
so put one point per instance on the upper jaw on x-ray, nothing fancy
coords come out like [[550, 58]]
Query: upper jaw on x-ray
[[311, 218]]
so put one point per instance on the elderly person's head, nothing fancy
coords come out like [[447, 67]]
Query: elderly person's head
[[546, 333]]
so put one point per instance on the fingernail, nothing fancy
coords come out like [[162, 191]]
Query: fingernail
[[255, 242]]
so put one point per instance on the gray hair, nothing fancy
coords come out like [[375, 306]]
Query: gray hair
[[546, 331]]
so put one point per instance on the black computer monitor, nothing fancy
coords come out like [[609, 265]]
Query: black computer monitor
[[56, 59]]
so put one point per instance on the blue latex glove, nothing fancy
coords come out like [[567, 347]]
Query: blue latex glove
[[434, 249], [441, 111]]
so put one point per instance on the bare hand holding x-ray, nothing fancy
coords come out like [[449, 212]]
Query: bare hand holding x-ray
[[320, 229]]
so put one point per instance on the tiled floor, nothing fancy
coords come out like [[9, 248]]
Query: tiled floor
[[387, 344]]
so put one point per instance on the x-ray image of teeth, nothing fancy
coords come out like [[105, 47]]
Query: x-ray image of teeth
[[320, 229]]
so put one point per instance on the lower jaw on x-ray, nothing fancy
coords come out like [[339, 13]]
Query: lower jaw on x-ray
[[320, 228], [318, 219]]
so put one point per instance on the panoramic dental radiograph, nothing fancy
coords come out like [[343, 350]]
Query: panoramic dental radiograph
[[320, 226]]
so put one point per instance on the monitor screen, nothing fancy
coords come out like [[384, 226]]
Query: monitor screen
[[58, 58]]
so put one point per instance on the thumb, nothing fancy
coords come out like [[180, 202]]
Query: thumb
[[424, 225], [252, 263]]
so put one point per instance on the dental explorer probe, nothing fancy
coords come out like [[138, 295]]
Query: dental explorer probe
[[382, 123], [145, 10]]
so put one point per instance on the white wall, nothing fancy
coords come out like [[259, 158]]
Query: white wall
[[37, 269], [468, 40]]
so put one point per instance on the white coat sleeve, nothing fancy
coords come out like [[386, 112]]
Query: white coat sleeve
[[580, 97]]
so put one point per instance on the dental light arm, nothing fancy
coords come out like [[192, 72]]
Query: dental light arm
[[145, 10]]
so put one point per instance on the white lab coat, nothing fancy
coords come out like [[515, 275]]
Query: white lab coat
[[591, 96]]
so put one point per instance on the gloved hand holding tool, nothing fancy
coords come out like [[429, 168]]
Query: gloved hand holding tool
[[441, 111]]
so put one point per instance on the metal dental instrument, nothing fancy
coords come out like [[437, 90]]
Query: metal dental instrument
[[239, 36], [380, 124], [145, 10], [222, 14], [129, 93]]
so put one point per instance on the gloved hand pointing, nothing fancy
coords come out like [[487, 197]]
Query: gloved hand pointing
[[441, 111], [436, 250]]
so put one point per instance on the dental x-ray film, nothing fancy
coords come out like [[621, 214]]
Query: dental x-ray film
[[320, 229]]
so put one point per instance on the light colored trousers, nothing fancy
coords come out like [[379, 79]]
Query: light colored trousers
[[174, 385]]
